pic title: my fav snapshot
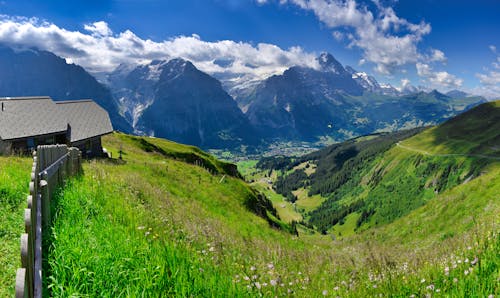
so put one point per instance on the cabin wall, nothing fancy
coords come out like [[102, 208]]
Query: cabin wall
[[5, 147], [89, 147]]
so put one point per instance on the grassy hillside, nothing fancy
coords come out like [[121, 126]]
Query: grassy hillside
[[374, 180], [14, 179], [160, 223], [473, 132]]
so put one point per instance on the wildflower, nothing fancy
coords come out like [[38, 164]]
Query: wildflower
[[466, 260], [325, 292], [491, 296], [141, 227], [422, 281], [289, 291], [412, 296], [438, 290], [254, 277], [447, 271], [264, 284], [147, 233], [201, 269], [336, 288], [299, 273], [246, 278], [455, 280], [273, 282], [211, 249], [270, 266], [252, 268], [257, 285], [374, 286], [466, 272], [430, 287], [474, 262]]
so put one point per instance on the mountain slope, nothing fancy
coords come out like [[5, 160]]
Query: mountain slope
[[303, 102], [180, 231], [170, 220], [34, 73], [177, 101], [340, 103], [376, 182]]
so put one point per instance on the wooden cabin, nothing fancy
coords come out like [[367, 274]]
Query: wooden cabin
[[26, 122]]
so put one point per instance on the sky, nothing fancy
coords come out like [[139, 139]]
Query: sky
[[439, 44]]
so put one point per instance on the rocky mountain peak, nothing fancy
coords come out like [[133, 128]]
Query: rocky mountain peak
[[328, 63]]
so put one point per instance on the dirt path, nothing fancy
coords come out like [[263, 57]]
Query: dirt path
[[446, 155]]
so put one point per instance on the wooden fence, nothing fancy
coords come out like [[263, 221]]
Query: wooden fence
[[52, 165]]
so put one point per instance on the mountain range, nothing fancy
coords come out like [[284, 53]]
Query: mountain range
[[175, 100]]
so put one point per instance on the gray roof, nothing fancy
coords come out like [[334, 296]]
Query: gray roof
[[23, 117], [29, 116], [86, 119]]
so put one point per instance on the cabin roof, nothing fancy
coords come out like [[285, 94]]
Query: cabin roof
[[23, 117], [86, 119]]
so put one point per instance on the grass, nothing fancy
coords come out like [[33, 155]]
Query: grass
[[473, 132], [14, 179], [305, 202], [158, 224]]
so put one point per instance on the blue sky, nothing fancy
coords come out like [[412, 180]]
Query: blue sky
[[440, 44]]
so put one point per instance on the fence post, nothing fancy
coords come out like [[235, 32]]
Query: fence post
[[31, 251], [25, 261], [45, 193], [21, 283]]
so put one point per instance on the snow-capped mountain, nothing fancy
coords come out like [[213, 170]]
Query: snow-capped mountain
[[362, 78], [174, 100]]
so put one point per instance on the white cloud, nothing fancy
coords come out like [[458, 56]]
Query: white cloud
[[405, 83], [99, 29], [102, 50], [490, 81], [437, 55], [386, 39], [440, 79], [338, 35], [491, 78]]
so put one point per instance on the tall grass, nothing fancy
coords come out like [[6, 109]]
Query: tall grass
[[14, 179], [156, 226]]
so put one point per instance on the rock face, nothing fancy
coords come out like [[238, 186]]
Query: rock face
[[175, 100], [307, 104], [41, 73], [303, 102]]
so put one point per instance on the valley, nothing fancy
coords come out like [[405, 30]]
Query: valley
[[170, 218]]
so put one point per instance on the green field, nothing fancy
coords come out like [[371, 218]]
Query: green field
[[14, 179], [170, 220]]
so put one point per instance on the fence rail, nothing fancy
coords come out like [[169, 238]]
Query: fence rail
[[52, 165]]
